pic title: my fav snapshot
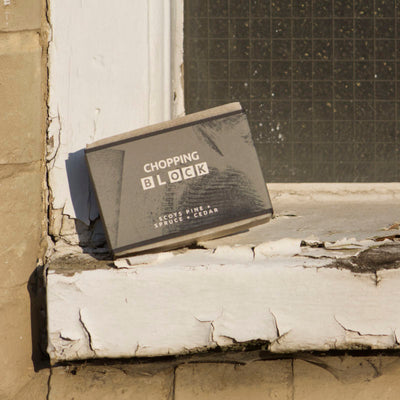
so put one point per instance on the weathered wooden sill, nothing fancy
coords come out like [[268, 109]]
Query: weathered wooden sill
[[323, 275]]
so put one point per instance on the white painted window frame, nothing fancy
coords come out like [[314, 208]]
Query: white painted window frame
[[177, 70], [165, 60], [91, 98]]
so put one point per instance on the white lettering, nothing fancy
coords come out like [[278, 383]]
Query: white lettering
[[148, 183], [147, 168], [160, 182], [188, 172], [175, 175], [175, 160], [201, 168]]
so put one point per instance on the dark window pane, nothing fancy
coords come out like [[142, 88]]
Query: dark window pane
[[319, 79], [364, 28], [344, 28], [302, 8], [281, 70], [259, 8], [322, 28], [322, 70], [239, 28], [302, 28], [343, 8], [364, 8], [322, 8]]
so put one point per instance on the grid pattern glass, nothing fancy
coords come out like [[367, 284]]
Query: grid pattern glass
[[319, 80]]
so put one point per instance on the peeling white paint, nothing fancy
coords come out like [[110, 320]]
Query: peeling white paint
[[109, 72], [283, 247], [181, 302], [339, 216], [325, 212], [275, 283], [178, 106]]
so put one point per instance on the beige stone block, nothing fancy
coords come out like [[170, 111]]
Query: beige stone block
[[16, 366], [355, 378], [258, 380], [20, 216], [35, 388], [125, 382], [17, 15], [21, 99], [21, 201]]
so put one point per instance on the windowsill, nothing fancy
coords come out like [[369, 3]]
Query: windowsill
[[295, 283]]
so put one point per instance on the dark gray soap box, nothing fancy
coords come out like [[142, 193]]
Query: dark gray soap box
[[174, 183]]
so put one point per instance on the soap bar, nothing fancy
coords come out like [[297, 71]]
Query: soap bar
[[171, 184]]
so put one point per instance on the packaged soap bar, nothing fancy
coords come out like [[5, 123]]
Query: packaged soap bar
[[171, 184]]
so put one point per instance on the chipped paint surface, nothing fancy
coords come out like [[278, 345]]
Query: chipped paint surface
[[322, 275], [328, 212], [174, 303], [336, 212]]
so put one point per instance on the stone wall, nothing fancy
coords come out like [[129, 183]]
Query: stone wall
[[22, 194], [302, 378]]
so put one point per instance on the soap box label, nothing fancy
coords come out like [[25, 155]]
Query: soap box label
[[175, 182]]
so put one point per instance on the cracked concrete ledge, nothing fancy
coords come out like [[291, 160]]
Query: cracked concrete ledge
[[323, 275]]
